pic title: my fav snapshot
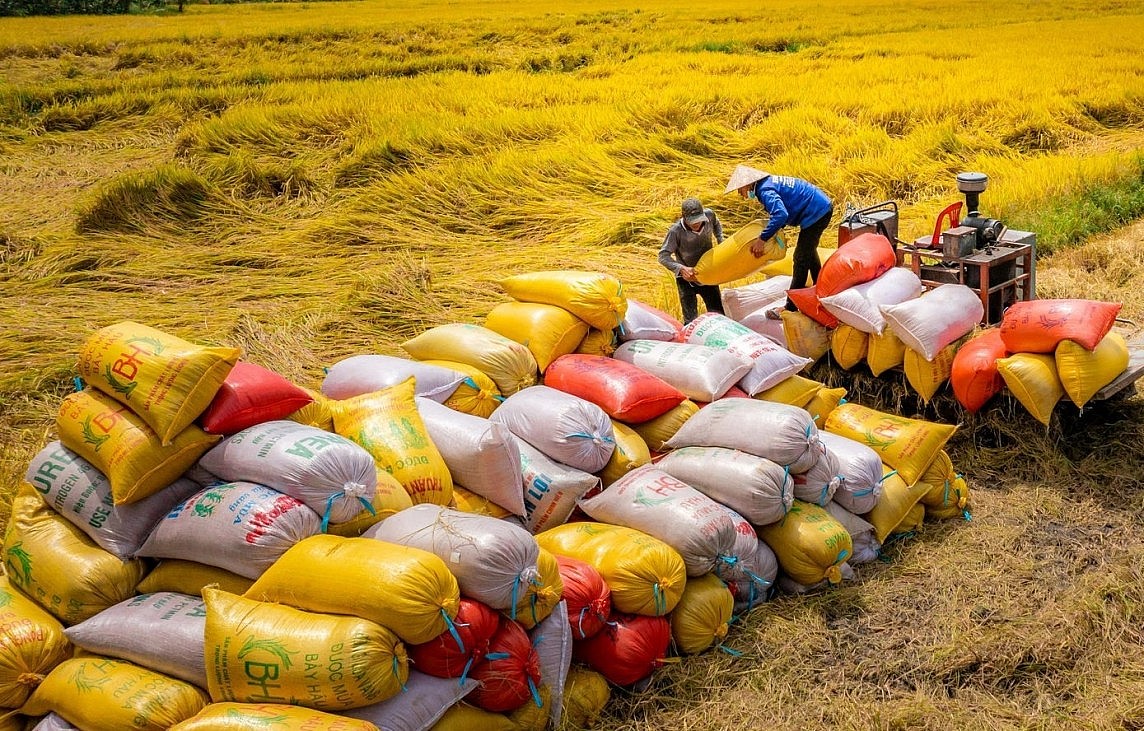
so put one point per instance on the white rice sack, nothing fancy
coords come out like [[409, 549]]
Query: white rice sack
[[745, 572], [82, 494], [643, 322], [481, 455], [551, 489], [418, 706], [334, 476], [552, 640], [650, 500], [360, 374], [738, 302], [237, 526], [770, 329], [701, 372], [818, 484], [53, 722], [765, 565], [786, 435], [790, 586], [859, 305], [755, 487], [861, 470], [863, 535], [494, 561], [163, 632], [771, 363], [936, 319], [566, 428]]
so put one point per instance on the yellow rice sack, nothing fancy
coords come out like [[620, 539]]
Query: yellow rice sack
[[123, 448], [389, 426], [848, 345], [732, 258], [259, 652], [1084, 372], [249, 716], [594, 297], [824, 401], [586, 694], [1032, 379], [631, 452], [100, 694], [190, 577], [927, 376], [32, 642], [508, 363], [948, 494], [703, 615], [894, 506], [165, 380], [809, 543], [58, 566], [317, 413], [464, 717], [656, 432], [477, 395], [389, 499], [793, 391], [804, 336], [532, 716], [646, 575], [405, 589], [547, 331], [907, 445], [786, 264], [912, 522], [598, 342], [470, 502], [543, 594], [884, 352]]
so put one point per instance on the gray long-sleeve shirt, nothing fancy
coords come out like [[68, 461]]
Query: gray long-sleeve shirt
[[683, 247]]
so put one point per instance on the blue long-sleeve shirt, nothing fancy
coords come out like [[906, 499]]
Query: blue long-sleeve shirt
[[789, 202]]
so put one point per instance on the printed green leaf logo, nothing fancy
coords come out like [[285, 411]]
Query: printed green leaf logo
[[205, 505], [90, 437], [274, 647], [19, 564], [5, 599], [404, 433], [254, 721], [125, 388], [157, 346], [650, 502], [875, 442], [84, 684]]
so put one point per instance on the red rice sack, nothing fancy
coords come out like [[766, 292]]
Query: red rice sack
[[629, 648], [738, 302], [250, 395], [76, 490], [238, 526], [362, 374], [564, 427], [807, 302], [858, 306], [644, 322], [758, 488], [1037, 326], [452, 653], [589, 600], [936, 319], [974, 376], [860, 468], [509, 674], [624, 391], [702, 373], [551, 489], [861, 259]]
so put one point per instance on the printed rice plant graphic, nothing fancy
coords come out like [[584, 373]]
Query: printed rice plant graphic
[[19, 564], [90, 437], [274, 647], [256, 721], [125, 388], [85, 684]]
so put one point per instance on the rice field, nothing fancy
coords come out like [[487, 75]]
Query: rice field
[[315, 180]]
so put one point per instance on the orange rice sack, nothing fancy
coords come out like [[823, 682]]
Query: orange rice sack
[[861, 259], [974, 376], [624, 391], [808, 304], [1037, 326]]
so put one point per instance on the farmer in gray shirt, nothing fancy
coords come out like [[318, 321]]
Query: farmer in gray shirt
[[688, 239]]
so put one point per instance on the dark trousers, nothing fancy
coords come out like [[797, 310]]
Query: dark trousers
[[688, 298], [805, 260]]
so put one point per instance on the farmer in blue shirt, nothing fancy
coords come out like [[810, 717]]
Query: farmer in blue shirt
[[789, 202]]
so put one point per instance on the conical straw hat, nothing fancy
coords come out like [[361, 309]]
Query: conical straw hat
[[744, 175]]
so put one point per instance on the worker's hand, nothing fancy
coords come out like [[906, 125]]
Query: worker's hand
[[688, 273], [758, 248]]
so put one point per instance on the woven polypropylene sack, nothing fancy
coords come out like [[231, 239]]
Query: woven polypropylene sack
[[746, 573], [1084, 372], [948, 492], [631, 452], [165, 380], [75, 489], [771, 329], [771, 363], [493, 560], [848, 346], [551, 489], [333, 476], [552, 640], [32, 643], [795, 391], [122, 447], [939, 317], [807, 302], [804, 336], [587, 596], [346, 662], [239, 526], [316, 413], [507, 362], [809, 543], [644, 322], [1033, 380], [481, 454], [190, 577], [451, 653], [509, 674], [861, 259], [703, 615], [466, 717], [586, 694], [547, 331], [628, 650], [624, 391], [390, 498], [860, 468], [732, 258], [594, 297], [249, 395], [785, 266], [360, 374], [247, 716], [468, 501], [58, 566], [884, 352], [926, 377], [898, 497], [858, 306], [701, 372], [541, 596], [824, 402], [389, 426], [564, 427], [907, 445], [765, 566], [477, 394], [862, 534], [738, 302], [161, 632], [819, 483], [645, 574], [1037, 326], [421, 704], [973, 374], [410, 591], [599, 342], [659, 430], [781, 433], [101, 694], [756, 487]]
